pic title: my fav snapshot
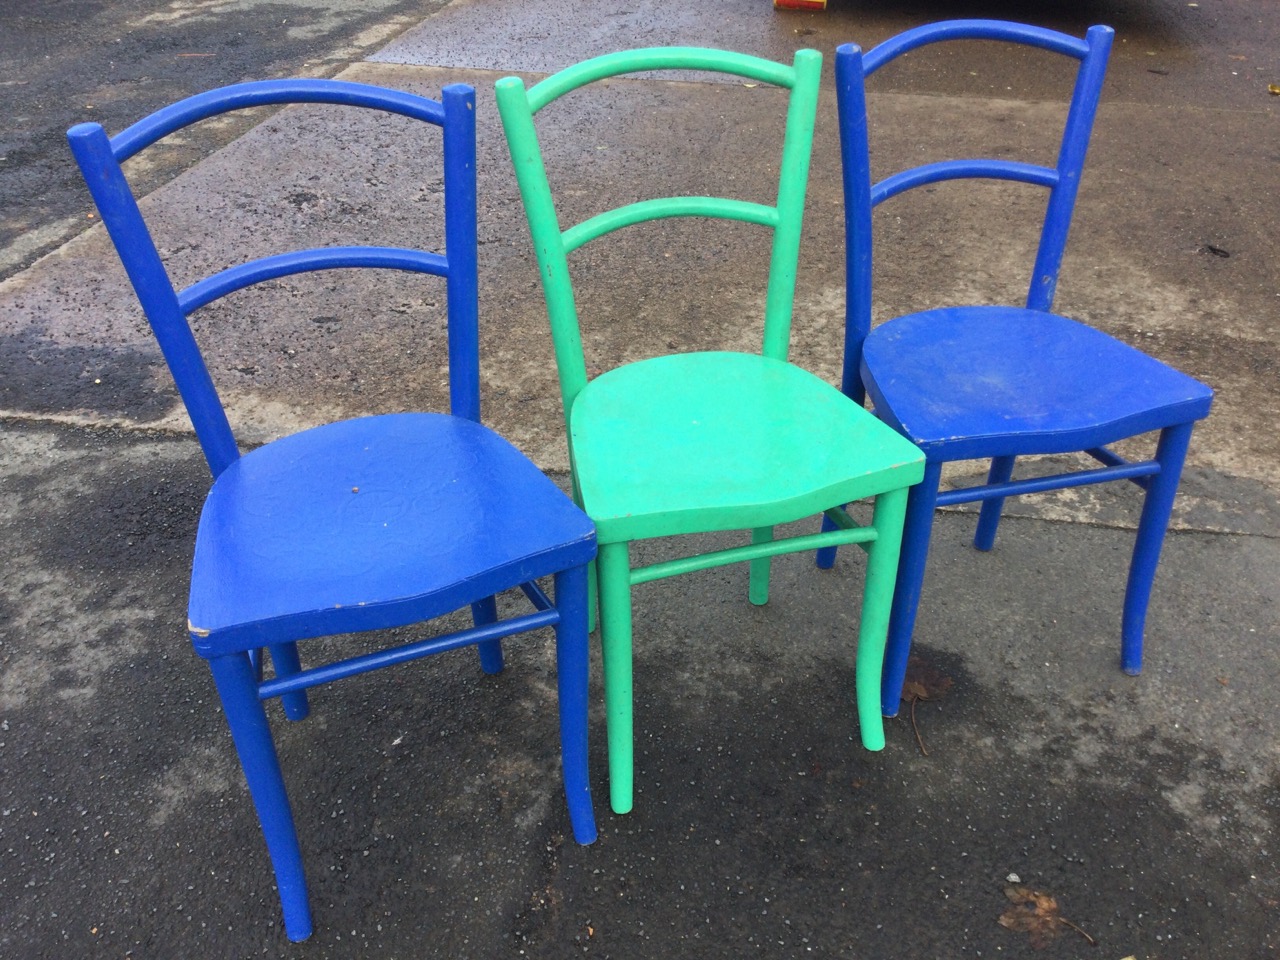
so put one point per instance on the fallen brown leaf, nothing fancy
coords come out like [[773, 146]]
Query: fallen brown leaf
[[924, 682], [1035, 913]]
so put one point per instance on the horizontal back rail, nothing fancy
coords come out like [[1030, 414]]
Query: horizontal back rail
[[663, 207], [247, 274]]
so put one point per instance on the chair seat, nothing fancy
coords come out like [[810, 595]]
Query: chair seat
[[697, 442], [985, 381], [372, 523]]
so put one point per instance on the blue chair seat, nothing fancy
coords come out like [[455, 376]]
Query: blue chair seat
[[988, 381], [399, 519]]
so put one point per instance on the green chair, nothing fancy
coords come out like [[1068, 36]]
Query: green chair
[[710, 441]]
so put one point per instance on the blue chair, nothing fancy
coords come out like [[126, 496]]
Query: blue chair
[[362, 524], [1000, 382]]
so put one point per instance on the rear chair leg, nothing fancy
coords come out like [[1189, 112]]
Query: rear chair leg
[[826, 558], [285, 662], [484, 612], [921, 502], [989, 516], [759, 589]]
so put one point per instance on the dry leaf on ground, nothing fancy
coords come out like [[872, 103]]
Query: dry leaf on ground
[[923, 682], [1035, 913]]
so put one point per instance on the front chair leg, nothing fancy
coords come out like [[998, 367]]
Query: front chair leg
[[877, 599], [1171, 453], [921, 502], [238, 690], [572, 669], [613, 566]]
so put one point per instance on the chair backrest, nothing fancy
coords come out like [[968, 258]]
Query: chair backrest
[[862, 194], [167, 308], [553, 245]]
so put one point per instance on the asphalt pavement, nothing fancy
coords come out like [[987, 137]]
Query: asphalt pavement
[[1143, 811]]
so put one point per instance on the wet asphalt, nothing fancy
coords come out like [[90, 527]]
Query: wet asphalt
[[1145, 810]]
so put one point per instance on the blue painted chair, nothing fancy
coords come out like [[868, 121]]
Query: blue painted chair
[[362, 524], [1000, 382]]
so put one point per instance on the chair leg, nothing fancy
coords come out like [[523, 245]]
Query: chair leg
[[233, 675], [593, 604], [921, 502], [1171, 452], [572, 668], [877, 599], [826, 558], [758, 591], [613, 565], [989, 516], [483, 612], [284, 659]]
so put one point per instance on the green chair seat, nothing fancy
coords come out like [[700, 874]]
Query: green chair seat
[[717, 447]]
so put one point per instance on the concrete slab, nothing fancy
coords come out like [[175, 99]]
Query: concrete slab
[[62, 63], [429, 802], [1168, 52], [314, 348]]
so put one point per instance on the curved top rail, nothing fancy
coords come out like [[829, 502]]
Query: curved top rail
[[257, 93], [663, 58], [1023, 33]]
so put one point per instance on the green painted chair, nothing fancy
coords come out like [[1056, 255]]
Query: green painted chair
[[710, 441]]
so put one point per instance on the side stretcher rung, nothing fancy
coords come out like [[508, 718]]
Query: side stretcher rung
[[849, 533], [1124, 470], [410, 651]]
